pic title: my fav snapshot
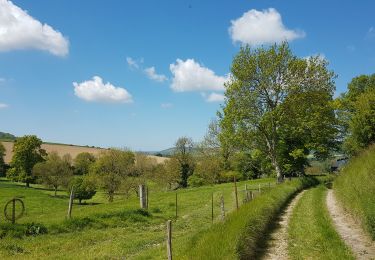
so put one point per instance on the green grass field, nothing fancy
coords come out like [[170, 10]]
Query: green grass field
[[112, 230], [355, 189], [311, 232]]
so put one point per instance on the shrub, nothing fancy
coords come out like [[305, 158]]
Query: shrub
[[84, 189]]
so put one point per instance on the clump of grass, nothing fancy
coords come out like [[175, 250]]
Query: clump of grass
[[21, 230], [240, 235], [311, 232], [355, 188]]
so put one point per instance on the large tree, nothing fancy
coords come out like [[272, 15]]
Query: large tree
[[55, 171], [279, 104], [112, 168], [27, 152], [356, 110]]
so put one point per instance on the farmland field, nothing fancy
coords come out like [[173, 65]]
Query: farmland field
[[62, 149], [113, 230]]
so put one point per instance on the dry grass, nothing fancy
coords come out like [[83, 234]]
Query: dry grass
[[62, 149]]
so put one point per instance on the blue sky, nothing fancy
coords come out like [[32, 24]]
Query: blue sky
[[159, 66]]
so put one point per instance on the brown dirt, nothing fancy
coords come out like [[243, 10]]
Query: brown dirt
[[350, 231], [62, 149], [277, 245]]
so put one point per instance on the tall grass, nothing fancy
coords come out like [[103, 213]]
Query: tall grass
[[311, 232], [239, 235], [355, 188]]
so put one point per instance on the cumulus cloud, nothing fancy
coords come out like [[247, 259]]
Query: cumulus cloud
[[151, 73], [2, 105], [215, 97], [18, 30], [166, 105], [261, 27], [96, 91], [189, 75]]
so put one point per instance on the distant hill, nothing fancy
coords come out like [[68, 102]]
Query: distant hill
[[7, 136]]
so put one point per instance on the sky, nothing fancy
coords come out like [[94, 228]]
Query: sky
[[140, 74]]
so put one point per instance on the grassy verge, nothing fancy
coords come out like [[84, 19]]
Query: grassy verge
[[355, 189], [239, 235], [311, 232]]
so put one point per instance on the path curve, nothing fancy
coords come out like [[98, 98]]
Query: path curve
[[350, 231], [278, 243]]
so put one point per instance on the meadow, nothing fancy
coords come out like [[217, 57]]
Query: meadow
[[100, 229]]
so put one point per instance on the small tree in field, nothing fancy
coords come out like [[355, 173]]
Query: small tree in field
[[83, 162], [111, 169], [56, 171], [84, 188], [27, 152], [183, 154]]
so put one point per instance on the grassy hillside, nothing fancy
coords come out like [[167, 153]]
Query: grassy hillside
[[110, 230], [355, 188]]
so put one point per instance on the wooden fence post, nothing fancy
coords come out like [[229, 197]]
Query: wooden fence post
[[259, 189], [169, 239], [176, 206], [71, 203], [222, 207], [235, 191], [143, 196], [14, 211]]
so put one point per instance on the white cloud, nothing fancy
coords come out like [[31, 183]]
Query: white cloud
[[18, 30], [215, 97], [261, 27], [132, 63], [2, 105], [370, 33], [96, 91], [166, 105], [191, 76], [151, 73]]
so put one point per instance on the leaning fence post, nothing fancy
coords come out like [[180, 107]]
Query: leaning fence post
[[71, 203], [169, 239], [222, 207]]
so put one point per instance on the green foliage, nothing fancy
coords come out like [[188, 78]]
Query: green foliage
[[27, 152], [7, 137], [21, 230], [356, 110], [55, 171], [281, 105], [167, 173], [84, 188], [111, 169], [355, 188], [239, 235], [310, 227], [183, 154], [196, 180], [83, 162]]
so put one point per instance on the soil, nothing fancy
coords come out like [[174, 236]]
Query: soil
[[350, 230]]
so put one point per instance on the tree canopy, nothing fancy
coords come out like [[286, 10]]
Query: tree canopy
[[27, 152], [281, 105]]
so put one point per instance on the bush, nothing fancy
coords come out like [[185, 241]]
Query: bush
[[228, 176], [355, 188], [196, 181], [84, 189], [21, 230]]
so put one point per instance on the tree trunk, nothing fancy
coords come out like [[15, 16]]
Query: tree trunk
[[55, 191], [80, 201], [27, 184], [279, 173], [110, 199]]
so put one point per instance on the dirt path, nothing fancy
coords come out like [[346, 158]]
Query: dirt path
[[350, 231], [277, 247]]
